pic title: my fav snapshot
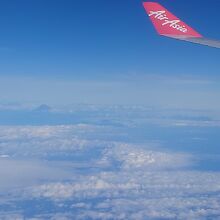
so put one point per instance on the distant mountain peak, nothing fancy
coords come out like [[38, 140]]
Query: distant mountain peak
[[43, 108]]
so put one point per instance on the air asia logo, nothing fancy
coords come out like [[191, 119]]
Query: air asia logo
[[161, 15]]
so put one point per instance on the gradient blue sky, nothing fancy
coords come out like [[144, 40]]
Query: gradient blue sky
[[105, 52]]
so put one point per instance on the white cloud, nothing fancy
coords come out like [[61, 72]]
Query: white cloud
[[21, 173], [42, 141], [140, 195], [11, 216], [140, 188], [125, 181], [134, 157]]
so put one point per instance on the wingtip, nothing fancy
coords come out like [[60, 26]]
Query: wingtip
[[166, 23]]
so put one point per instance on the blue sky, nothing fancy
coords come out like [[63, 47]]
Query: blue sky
[[62, 52]]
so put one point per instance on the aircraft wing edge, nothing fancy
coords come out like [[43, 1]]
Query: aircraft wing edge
[[202, 40]]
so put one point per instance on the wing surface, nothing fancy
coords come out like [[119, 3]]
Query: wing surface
[[167, 24]]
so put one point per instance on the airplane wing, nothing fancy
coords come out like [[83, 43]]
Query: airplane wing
[[168, 25]]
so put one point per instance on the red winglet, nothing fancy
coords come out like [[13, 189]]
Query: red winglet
[[167, 24]]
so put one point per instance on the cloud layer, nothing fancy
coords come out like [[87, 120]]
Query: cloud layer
[[80, 172]]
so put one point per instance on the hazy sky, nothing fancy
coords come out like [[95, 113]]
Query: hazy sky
[[64, 51]]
